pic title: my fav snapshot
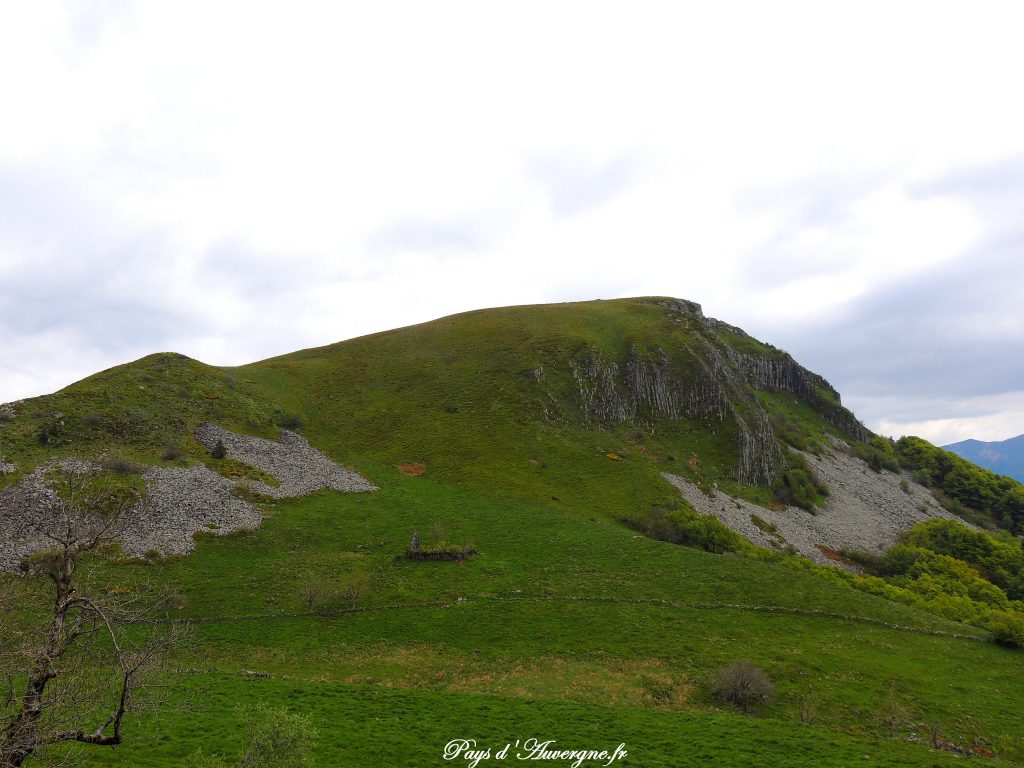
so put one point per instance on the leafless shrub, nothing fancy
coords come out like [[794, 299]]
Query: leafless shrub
[[322, 593], [172, 451], [893, 719], [352, 588], [311, 590], [742, 685], [808, 706], [437, 535], [122, 466]]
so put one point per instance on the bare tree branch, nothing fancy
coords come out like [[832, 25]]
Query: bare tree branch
[[63, 666]]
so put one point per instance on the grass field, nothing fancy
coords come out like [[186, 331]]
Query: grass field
[[566, 625]]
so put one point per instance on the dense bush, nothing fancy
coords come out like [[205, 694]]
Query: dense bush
[[1007, 629], [742, 685], [289, 421], [172, 451], [798, 487], [51, 430], [879, 453], [272, 738], [686, 528], [122, 466], [934, 574], [999, 498]]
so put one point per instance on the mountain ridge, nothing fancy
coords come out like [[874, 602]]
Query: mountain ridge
[[651, 363], [1004, 457]]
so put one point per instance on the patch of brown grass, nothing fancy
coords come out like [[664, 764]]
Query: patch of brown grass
[[647, 453], [415, 469], [837, 556], [636, 682]]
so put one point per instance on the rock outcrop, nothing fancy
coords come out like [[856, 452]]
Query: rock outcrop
[[708, 379]]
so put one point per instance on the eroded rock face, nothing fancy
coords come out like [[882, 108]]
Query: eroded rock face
[[651, 386], [179, 501], [701, 379], [785, 374], [865, 510]]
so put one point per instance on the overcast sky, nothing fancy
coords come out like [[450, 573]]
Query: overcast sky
[[238, 180]]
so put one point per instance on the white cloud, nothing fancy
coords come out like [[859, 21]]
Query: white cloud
[[989, 418], [256, 178]]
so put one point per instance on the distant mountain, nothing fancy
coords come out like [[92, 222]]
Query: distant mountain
[[1006, 457]]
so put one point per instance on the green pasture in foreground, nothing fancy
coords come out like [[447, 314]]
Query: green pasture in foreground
[[362, 726], [502, 646]]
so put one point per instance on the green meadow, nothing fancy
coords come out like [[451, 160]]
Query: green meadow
[[566, 624]]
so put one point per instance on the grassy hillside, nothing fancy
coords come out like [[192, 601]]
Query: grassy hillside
[[530, 432], [525, 396]]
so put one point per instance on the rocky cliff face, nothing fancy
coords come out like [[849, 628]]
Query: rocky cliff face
[[646, 387], [697, 375], [785, 374]]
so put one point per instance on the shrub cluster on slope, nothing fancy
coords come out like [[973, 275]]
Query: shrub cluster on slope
[[969, 576], [798, 487], [998, 557], [963, 486], [941, 567], [682, 526]]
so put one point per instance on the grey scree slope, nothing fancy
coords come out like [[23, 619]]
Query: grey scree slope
[[180, 501], [865, 510], [295, 464]]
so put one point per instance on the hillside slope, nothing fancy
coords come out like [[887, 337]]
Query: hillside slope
[[531, 399], [527, 433]]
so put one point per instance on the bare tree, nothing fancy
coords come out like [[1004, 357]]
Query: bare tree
[[352, 589], [75, 667]]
